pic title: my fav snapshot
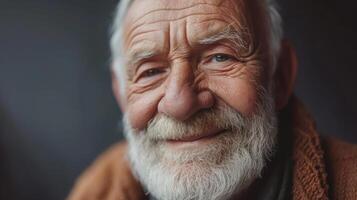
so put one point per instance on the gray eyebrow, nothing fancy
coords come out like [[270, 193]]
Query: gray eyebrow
[[136, 57], [229, 33]]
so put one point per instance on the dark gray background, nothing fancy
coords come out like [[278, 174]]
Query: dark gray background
[[57, 112]]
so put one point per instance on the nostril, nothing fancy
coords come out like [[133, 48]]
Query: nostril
[[186, 103]]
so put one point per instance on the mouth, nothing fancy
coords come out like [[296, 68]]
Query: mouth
[[197, 139]]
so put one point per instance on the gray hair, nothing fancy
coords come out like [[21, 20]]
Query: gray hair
[[275, 36]]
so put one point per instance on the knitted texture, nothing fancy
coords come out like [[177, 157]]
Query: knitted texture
[[342, 168], [324, 168], [309, 171]]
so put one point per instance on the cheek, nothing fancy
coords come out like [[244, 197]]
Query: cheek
[[141, 108], [238, 93]]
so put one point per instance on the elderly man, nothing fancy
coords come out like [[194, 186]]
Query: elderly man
[[206, 91]]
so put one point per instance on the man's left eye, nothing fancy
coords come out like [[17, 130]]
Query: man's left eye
[[221, 57]]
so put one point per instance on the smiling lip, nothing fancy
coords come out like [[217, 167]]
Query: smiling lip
[[199, 137]]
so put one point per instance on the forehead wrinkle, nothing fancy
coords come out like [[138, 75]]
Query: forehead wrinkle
[[227, 34], [168, 20], [132, 40], [182, 17], [212, 19], [180, 9], [219, 5]]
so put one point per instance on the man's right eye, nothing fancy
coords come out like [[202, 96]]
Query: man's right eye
[[152, 72]]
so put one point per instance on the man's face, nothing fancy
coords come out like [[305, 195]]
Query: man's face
[[184, 56], [199, 115]]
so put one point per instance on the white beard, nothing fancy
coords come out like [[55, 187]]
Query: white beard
[[216, 170]]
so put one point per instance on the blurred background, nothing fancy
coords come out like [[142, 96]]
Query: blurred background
[[57, 112]]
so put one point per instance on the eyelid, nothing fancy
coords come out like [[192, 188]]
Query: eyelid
[[141, 70], [219, 49], [136, 63], [209, 58]]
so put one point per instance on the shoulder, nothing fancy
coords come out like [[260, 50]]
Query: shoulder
[[341, 163], [108, 178], [338, 151]]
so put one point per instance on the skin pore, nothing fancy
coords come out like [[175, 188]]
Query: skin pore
[[181, 57]]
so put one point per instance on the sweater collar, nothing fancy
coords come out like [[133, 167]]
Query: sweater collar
[[309, 170]]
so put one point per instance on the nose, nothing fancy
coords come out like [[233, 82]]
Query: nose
[[182, 99]]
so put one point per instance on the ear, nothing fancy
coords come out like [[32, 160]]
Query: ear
[[285, 75], [116, 90]]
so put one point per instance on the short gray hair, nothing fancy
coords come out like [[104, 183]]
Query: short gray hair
[[116, 43]]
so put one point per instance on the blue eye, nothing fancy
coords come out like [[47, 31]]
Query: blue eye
[[221, 58]]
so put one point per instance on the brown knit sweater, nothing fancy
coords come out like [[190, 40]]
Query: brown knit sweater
[[323, 168]]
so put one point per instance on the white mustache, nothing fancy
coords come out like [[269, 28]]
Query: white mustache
[[163, 127]]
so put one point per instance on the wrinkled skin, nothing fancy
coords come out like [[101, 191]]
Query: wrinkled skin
[[179, 76]]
